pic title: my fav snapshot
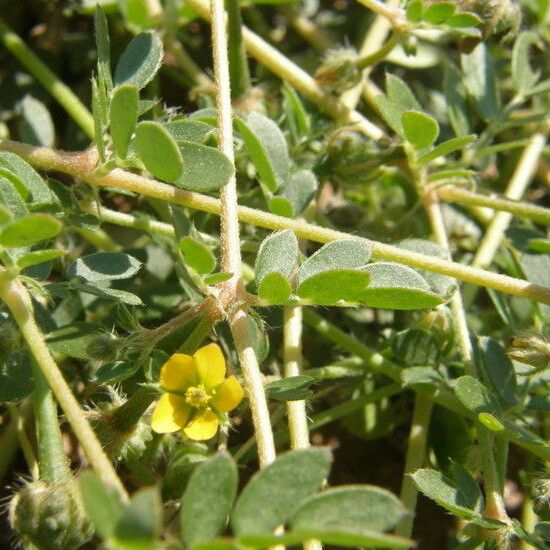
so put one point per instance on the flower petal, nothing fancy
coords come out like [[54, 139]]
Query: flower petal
[[210, 365], [228, 395], [178, 373], [203, 426], [171, 414]]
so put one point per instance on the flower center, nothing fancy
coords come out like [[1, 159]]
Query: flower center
[[196, 396]]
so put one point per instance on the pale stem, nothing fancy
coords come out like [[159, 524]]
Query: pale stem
[[319, 38], [292, 356], [415, 458], [284, 68], [17, 299], [373, 41], [393, 14], [519, 182], [232, 290], [18, 422], [80, 165], [529, 211]]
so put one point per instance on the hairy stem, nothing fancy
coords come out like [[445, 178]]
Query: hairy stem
[[62, 93], [239, 75], [52, 462], [232, 291], [18, 425], [517, 208], [17, 299], [415, 458], [79, 165]]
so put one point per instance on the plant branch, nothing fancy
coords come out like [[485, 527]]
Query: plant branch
[[18, 422], [62, 93], [517, 208], [79, 165], [284, 68], [17, 299], [232, 291]]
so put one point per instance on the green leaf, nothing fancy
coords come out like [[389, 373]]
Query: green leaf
[[103, 506], [205, 169], [29, 230], [208, 499], [499, 370], [475, 396], [281, 206], [73, 340], [190, 130], [414, 10], [438, 12], [480, 81], [351, 509], [523, 76], [111, 294], [278, 254], [537, 270], [11, 199], [298, 191], [266, 146], [444, 491], [298, 118], [442, 285], [464, 20], [124, 116], [274, 493], [37, 257], [395, 286], [158, 151], [216, 278], [334, 286], [275, 289], [104, 266], [197, 256], [449, 146], [141, 522], [36, 126], [293, 388], [455, 100], [419, 129], [390, 112], [103, 49], [16, 380], [400, 94], [343, 254], [413, 347], [26, 179], [140, 61]]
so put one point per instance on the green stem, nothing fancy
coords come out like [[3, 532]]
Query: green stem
[[17, 299], [52, 462], [62, 93], [18, 422], [379, 55], [394, 15], [79, 166], [239, 75], [377, 363], [415, 458], [319, 38], [520, 209]]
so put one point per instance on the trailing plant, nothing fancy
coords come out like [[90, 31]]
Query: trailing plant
[[265, 302]]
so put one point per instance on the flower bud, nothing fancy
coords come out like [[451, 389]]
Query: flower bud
[[498, 16], [49, 517], [530, 349], [339, 70], [103, 347]]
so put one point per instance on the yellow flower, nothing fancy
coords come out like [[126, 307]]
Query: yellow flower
[[196, 394]]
